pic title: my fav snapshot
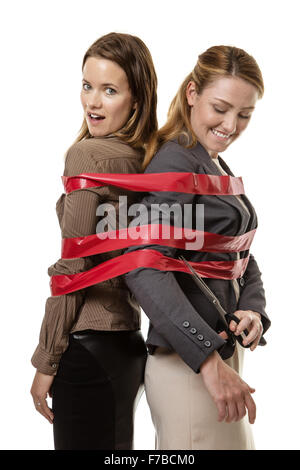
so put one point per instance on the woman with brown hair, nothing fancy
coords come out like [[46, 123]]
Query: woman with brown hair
[[91, 354], [197, 397]]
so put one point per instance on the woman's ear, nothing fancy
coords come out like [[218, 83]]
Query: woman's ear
[[191, 93], [134, 105]]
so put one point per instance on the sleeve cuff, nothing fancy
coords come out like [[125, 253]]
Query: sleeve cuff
[[45, 362]]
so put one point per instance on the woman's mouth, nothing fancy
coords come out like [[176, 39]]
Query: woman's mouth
[[95, 118], [220, 135]]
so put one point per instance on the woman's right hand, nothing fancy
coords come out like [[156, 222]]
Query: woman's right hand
[[230, 393]]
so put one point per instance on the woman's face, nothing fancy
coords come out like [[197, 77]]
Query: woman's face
[[105, 93], [221, 112]]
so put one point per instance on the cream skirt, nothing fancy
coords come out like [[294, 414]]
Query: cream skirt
[[183, 413]]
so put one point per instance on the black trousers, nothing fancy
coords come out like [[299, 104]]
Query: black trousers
[[98, 384]]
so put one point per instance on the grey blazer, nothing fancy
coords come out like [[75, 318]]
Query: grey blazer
[[174, 305]]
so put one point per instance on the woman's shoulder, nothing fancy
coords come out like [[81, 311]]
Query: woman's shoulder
[[86, 155], [173, 156], [108, 147]]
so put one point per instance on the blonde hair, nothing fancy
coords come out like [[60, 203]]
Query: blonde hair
[[133, 56], [215, 62]]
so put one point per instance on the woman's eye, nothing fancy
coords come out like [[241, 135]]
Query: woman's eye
[[222, 111], [110, 91], [85, 84], [219, 110]]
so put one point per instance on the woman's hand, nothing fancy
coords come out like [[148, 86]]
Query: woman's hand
[[40, 388], [230, 393], [252, 322]]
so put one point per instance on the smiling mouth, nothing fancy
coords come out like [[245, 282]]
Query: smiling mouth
[[221, 135]]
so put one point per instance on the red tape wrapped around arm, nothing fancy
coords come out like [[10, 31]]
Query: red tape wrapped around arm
[[177, 182], [79, 247], [64, 284]]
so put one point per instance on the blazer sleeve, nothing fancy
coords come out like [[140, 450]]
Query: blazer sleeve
[[78, 219], [252, 294], [158, 292]]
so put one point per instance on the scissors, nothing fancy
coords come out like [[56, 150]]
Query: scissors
[[224, 317]]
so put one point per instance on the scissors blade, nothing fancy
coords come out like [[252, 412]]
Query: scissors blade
[[207, 291]]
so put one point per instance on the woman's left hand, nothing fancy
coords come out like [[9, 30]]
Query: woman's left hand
[[41, 387], [252, 322]]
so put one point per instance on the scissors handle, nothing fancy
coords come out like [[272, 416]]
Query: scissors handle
[[243, 335]]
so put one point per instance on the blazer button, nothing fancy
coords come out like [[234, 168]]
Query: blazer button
[[242, 281], [54, 365], [200, 337], [207, 344], [193, 331], [185, 324]]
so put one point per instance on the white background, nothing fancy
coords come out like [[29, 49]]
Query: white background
[[42, 46]]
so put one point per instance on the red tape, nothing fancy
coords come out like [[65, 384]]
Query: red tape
[[178, 237], [172, 181], [118, 239], [64, 284]]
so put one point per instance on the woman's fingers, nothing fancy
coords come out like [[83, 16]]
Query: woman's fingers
[[232, 412], [255, 331], [221, 406], [244, 324], [250, 404], [241, 401], [42, 407], [255, 343], [223, 334], [41, 387], [230, 393], [251, 321], [232, 325], [241, 409], [235, 410], [47, 411]]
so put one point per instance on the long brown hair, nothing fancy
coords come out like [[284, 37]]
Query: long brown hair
[[133, 56], [215, 62]]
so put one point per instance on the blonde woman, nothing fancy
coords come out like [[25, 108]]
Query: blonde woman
[[198, 400]]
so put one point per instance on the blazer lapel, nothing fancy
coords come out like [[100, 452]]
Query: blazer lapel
[[253, 218], [210, 168]]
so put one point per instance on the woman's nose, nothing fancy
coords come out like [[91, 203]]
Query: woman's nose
[[95, 101], [229, 124]]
